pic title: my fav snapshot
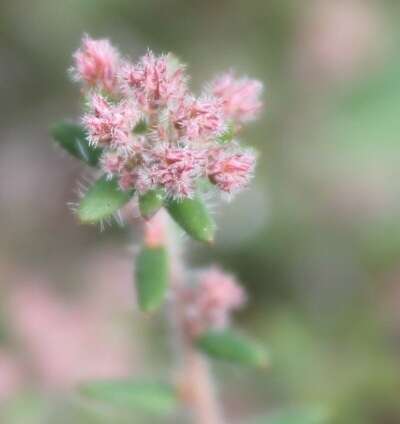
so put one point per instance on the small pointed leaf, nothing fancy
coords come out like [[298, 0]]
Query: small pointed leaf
[[193, 216], [230, 346], [102, 199], [72, 137], [150, 203], [150, 396], [151, 277], [227, 135], [141, 127]]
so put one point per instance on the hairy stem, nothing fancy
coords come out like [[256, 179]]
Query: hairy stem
[[201, 396], [196, 385]]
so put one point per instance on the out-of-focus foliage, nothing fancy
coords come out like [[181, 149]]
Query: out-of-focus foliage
[[316, 238], [231, 346], [151, 277], [155, 397], [73, 139]]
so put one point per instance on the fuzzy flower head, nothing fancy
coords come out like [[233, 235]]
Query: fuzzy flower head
[[199, 119], [112, 163], [231, 172], [153, 81], [96, 64], [110, 124], [210, 303], [239, 96], [154, 133], [177, 169]]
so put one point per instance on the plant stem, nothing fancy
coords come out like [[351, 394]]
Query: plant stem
[[196, 385], [202, 397]]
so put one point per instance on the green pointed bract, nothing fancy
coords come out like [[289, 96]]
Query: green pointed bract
[[149, 396], [228, 135], [102, 200], [150, 203], [151, 277], [193, 216], [72, 138], [141, 127], [230, 346]]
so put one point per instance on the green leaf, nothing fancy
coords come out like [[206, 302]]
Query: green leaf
[[295, 416], [141, 127], [150, 203], [72, 137], [230, 346], [227, 135], [102, 199], [150, 396], [193, 216], [151, 277]]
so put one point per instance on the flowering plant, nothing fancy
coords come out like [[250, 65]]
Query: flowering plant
[[155, 142]]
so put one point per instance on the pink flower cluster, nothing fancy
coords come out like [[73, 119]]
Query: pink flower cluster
[[111, 125], [96, 64], [153, 81], [210, 303], [240, 97], [181, 137]]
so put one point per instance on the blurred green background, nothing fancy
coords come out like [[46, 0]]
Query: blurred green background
[[315, 240]]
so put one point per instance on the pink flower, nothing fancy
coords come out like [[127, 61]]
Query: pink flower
[[111, 124], [177, 169], [112, 163], [138, 178], [240, 97], [153, 81], [211, 302], [127, 180], [174, 168], [66, 343], [96, 63], [199, 118], [231, 172]]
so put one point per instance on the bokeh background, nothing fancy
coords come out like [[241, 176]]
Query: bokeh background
[[315, 240]]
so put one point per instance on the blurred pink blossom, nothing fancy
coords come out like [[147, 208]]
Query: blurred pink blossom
[[65, 343], [240, 96], [96, 63], [211, 302], [338, 38]]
